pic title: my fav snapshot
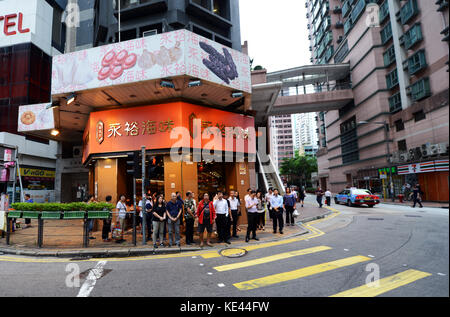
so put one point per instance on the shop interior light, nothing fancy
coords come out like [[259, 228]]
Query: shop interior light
[[237, 94], [55, 132], [195, 83], [167, 84], [71, 98]]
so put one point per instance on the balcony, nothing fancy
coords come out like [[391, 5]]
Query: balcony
[[130, 9]]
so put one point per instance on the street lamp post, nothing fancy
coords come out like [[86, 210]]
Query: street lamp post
[[386, 136]]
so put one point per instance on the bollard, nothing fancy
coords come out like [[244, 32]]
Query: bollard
[[40, 231], [85, 233], [8, 230]]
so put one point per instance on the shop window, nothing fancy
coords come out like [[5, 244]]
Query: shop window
[[419, 116], [408, 11], [412, 36], [395, 103], [420, 89], [399, 125], [402, 146], [392, 79], [386, 33], [417, 62], [389, 56]]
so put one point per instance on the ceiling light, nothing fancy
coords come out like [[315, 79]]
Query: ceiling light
[[71, 98], [167, 84], [237, 94], [54, 132], [195, 83], [52, 105]]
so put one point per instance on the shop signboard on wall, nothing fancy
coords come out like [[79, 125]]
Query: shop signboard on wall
[[27, 21], [425, 167], [165, 55], [35, 118], [128, 129]]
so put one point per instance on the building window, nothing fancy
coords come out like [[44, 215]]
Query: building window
[[389, 56], [358, 10], [346, 8], [384, 11], [417, 62], [399, 125], [412, 36], [395, 103], [408, 11], [349, 141], [348, 25], [420, 89], [419, 116], [402, 146], [386, 33], [392, 79]]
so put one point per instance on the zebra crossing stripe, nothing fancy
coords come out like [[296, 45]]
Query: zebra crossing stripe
[[297, 274], [384, 285], [269, 259]]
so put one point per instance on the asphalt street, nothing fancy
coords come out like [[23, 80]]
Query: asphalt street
[[405, 249]]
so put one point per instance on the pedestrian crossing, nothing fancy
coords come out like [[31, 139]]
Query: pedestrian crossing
[[372, 289]]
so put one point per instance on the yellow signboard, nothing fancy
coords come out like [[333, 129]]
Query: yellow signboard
[[36, 172]]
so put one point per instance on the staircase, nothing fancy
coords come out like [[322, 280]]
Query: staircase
[[270, 175]]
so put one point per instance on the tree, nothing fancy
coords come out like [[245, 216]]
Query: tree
[[299, 168]]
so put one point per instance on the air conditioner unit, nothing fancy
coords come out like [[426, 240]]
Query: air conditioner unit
[[443, 148], [339, 24], [403, 157], [395, 158], [412, 154], [418, 152], [434, 149], [77, 151], [426, 149]]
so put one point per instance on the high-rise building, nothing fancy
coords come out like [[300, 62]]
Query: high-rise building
[[282, 139], [398, 121], [304, 127]]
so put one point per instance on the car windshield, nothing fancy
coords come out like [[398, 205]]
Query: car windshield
[[361, 192]]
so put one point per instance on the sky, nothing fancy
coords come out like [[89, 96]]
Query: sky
[[276, 33]]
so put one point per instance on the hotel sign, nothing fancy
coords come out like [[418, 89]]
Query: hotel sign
[[167, 55]]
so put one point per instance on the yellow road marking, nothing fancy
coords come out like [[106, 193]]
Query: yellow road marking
[[385, 285], [272, 258], [293, 275]]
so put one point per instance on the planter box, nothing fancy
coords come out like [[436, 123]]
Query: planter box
[[15, 214], [52, 215], [31, 214], [74, 214], [99, 214]]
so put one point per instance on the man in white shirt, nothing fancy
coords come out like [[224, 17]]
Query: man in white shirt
[[148, 214], [277, 211], [121, 208], [221, 207], [252, 215], [235, 206], [328, 197]]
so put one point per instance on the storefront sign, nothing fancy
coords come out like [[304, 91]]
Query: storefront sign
[[426, 167], [4, 174], [34, 172], [35, 118], [165, 55], [26, 22], [7, 157], [128, 129]]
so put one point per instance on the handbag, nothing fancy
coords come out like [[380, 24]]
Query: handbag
[[296, 214]]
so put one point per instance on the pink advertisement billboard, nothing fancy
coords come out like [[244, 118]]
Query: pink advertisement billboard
[[165, 55]]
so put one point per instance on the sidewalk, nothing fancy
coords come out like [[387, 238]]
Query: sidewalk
[[64, 239], [410, 203]]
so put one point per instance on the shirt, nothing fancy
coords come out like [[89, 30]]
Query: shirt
[[221, 207], [269, 197], [276, 201], [289, 200], [327, 193], [251, 201], [148, 206], [174, 208], [189, 203], [234, 203], [30, 201], [122, 209], [159, 211]]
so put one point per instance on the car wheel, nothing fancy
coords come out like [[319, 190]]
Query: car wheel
[[371, 206], [336, 201], [349, 203]]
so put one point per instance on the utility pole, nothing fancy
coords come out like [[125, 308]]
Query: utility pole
[[144, 200]]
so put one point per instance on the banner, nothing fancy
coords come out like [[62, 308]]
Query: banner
[[35, 118]]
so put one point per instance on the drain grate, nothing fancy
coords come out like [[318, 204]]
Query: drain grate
[[233, 252], [377, 219]]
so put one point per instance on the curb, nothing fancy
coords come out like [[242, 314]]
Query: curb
[[131, 252]]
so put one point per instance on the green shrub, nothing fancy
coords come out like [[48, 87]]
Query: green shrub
[[77, 206]]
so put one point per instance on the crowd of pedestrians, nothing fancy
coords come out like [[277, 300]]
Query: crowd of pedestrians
[[219, 213]]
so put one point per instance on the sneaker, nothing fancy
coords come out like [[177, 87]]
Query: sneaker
[[274, 231], [256, 238], [281, 232], [155, 246], [162, 245], [247, 239], [227, 242]]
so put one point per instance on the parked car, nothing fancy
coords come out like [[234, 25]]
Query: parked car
[[357, 197]]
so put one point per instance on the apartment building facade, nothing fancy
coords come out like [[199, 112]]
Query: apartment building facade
[[282, 139], [396, 130], [304, 127]]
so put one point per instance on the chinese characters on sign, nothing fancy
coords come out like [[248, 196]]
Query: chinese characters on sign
[[132, 128]]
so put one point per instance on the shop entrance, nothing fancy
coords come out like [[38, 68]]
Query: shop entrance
[[211, 178]]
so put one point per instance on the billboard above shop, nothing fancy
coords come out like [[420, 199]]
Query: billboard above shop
[[127, 129], [27, 21], [167, 55], [35, 118]]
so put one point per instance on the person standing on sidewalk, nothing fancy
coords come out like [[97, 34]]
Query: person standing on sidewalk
[[206, 215], [147, 213], [290, 205], [159, 220], [252, 216], [268, 197], [328, 197], [221, 208], [261, 211], [121, 215], [277, 211], [174, 209], [319, 196], [302, 196], [29, 201], [417, 196], [189, 216], [106, 223], [235, 206]]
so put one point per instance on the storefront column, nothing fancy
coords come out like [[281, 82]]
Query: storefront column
[[172, 177], [58, 173], [109, 180]]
